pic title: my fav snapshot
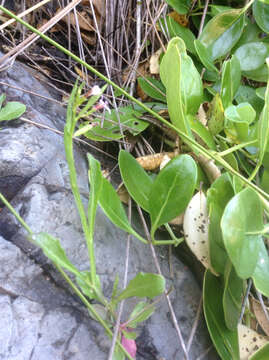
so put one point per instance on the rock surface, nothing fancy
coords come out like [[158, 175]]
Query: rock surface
[[40, 318]]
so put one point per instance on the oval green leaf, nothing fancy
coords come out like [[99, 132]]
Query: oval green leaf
[[222, 32], [136, 180], [172, 190], [205, 56], [12, 110], [144, 285], [243, 215], [261, 15], [230, 81], [219, 194], [252, 56], [261, 274]]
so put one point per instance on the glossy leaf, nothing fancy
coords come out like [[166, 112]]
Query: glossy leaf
[[232, 296], [113, 208], [252, 56], [237, 121], [52, 248], [141, 312], [218, 196], [261, 273], [251, 33], [12, 110], [243, 215], [205, 56], [261, 92], [183, 84], [136, 180], [144, 285], [260, 74], [222, 32], [224, 340], [182, 6], [172, 190], [230, 81], [261, 15], [152, 90], [247, 94]]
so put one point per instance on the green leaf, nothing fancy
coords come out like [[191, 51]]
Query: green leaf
[[251, 33], [205, 56], [51, 247], [151, 91], [252, 56], [108, 129], [261, 354], [261, 92], [113, 208], [263, 129], [144, 285], [183, 84], [136, 180], [172, 190], [217, 9], [218, 196], [224, 340], [230, 81], [260, 74], [182, 6], [232, 296], [141, 312], [261, 273], [237, 121], [261, 15], [175, 29], [85, 284], [12, 110], [202, 132], [222, 32], [216, 115], [247, 94], [242, 215]]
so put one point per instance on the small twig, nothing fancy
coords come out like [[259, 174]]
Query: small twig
[[204, 353], [245, 301], [172, 312], [203, 18], [195, 324], [117, 326], [33, 37]]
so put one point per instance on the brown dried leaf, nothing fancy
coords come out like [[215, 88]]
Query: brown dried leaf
[[123, 194], [153, 162], [260, 315]]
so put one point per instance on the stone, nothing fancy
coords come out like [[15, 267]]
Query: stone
[[42, 317]]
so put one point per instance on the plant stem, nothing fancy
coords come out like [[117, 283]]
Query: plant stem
[[91, 308], [17, 216]]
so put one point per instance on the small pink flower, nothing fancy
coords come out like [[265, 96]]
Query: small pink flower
[[129, 345]]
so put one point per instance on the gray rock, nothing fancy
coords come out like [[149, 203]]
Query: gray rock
[[47, 321]]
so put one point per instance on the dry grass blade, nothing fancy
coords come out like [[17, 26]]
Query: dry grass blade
[[33, 37]]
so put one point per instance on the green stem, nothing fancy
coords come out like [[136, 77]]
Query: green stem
[[185, 137], [17, 216], [91, 308]]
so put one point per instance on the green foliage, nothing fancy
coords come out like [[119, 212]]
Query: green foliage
[[12, 110]]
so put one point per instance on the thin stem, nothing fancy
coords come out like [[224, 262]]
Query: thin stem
[[203, 18], [91, 308], [17, 216]]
